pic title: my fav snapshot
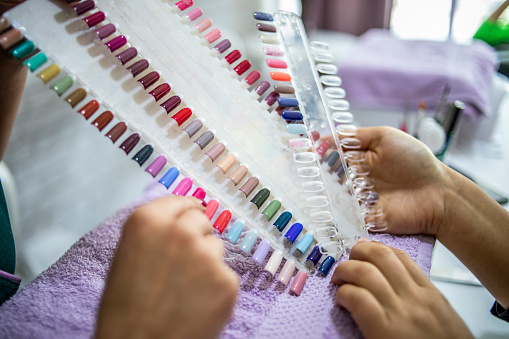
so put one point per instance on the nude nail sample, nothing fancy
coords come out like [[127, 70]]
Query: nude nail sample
[[116, 132], [286, 272], [193, 127], [129, 143], [138, 67], [249, 186], [298, 282], [105, 31], [103, 120], [204, 139], [284, 89], [49, 73], [143, 154], [215, 151], [274, 262], [125, 56], [202, 26], [76, 97], [4, 23], [156, 166], [212, 207], [237, 175], [10, 38], [227, 162], [89, 109]]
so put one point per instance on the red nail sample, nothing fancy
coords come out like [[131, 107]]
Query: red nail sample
[[116, 132], [242, 67], [222, 221], [211, 208], [138, 67], [149, 79], [160, 91], [252, 77], [181, 116], [323, 147], [129, 143], [103, 120], [233, 56], [89, 109], [94, 19]]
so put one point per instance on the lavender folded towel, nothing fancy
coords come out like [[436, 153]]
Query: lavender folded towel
[[62, 302]]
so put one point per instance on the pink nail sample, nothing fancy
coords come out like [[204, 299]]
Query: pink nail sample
[[286, 272], [213, 35], [116, 43], [183, 187], [298, 282], [156, 166], [200, 193], [105, 31], [94, 19], [202, 26], [215, 151], [252, 77], [184, 4], [273, 51], [192, 15], [276, 63]]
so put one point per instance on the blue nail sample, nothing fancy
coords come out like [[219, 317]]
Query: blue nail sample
[[305, 242], [314, 256], [169, 177], [296, 129], [263, 16], [294, 232], [287, 102], [235, 232], [332, 158], [326, 265], [291, 115], [261, 252], [249, 241], [283, 220], [340, 171]]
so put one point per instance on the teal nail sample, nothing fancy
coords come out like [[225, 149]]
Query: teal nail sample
[[283, 220], [296, 129], [36, 61], [23, 49], [235, 232], [249, 241]]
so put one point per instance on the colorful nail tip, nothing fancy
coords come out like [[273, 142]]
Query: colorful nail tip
[[192, 15], [182, 5], [260, 197], [269, 39], [292, 115], [36, 61], [261, 252], [283, 220], [94, 19], [313, 257], [227, 163], [239, 174], [265, 27], [223, 46], [193, 127], [83, 7], [116, 132], [156, 166], [271, 209], [326, 265], [242, 67], [103, 120], [273, 51], [105, 31], [280, 76], [235, 232], [287, 102], [76, 97], [249, 241], [305, 242], [212, 36], [172, 103], [202, 26], [233, 56], [49, 73], [263, 16], [274, 262], [23, 50], [249, 186], [332, 158], [89, 109], [169, 177], [323, 147], [183, 187], [294, 232], [160, 91], [252, 77], [199, 193], [296, 129], [262, 87], [212, 207], [215, 151], [286, 272], [284, 89], [298, 282], [203, 140], [143, 154], [125, 56], [181, 116], [149, 79], [129, 143], [271, 98], [222, 221], [138, 67], [62, 85]]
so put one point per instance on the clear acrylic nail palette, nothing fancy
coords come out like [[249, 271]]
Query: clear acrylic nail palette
[[161, 75]]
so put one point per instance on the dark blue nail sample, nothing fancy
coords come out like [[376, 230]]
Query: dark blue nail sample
[[283, 220], [143, 154], [169, 177], [287, 102], [314, 256], [332, 158], [292, 115], [294, 232], [326, 265], [263, 16]]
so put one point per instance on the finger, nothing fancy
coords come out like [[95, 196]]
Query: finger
[[367, 276], [413, 268], [194, 221], [214, 247], [173, 206]]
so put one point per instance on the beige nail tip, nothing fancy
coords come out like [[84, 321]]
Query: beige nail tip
[[11, 37], [287, 272], [249, 186], [227, 163], [239, 174], [274, 262]]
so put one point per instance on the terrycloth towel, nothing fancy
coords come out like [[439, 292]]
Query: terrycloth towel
[[62, 302], [384, 71]]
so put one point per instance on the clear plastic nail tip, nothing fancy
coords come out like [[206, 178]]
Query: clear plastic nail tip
[[330, 247], [323, 57], [342, 117], [300, 143], [313, 186], [319, 45], [325, 68], [325, 232], [318, 201], [347, 130], [322, 216], [335, 92], [368, 197], [355, 156], [339, 105], [373, 212], [351, 143], [331, 80], [308, 172], [359, 170], [363, 183], [304, 157]]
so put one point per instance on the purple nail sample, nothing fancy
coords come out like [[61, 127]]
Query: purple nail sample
[[172, 103], [223, 46], [156, 166], [204, 139], [314, 256], [83, 7], [127, 55], [262, 87], [261, 252], [271, 98], [138, 67], [116, 43], [105, 31], [193, 127]]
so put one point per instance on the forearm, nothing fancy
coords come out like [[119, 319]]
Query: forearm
[[498, 12], [476, 229]]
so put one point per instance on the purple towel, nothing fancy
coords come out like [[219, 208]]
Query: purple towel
[[384, 71], [62, 302]]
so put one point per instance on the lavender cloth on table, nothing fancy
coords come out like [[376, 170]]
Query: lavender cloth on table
[[62, 301], [384, 71]]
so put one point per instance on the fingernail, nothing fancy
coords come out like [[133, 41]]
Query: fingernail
[[261, 252], [192, 15], [249, 241], [249, 186], [212, 207], [105, 31], [280, 76], [181, 116], [271, 98], [49, 73], [143, 154], [204, 139], [284, 89], [125, 56], [89, 109], [183, 187], [283, 220], [326, 265], [242, 67], [252, 78], [23, 49], [286, 272], [36, 61], [262, 16], [305, 242], [200, 193], [287, 102], [221, 47], [202, 26], [296, 129], [10, 38], [272, 51], [222, 221], [103, 120], [182, 5], [239, 174], [323, 147], [274, 262], [215, 151], [83, 7], [94, 19], [294, 232], [138, 67], [62, 85], [160, 91], [129, 143], [227, 162], [299, 282], [172, 103], [291, 115], [212, 36], [156, 166], [116, 132], [235, 232], [76, 97], [193, 127], [265, 27], [262, 87], [313, 257], [332, 159], [149, 79], [361, 240], [260, 197], [271, 209], [169, 177], [277, 63], [232, 56]]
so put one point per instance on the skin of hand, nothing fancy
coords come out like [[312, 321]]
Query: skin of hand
[[168, 278], [389, 296]]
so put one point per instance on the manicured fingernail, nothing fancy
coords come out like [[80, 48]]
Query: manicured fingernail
[[221, 47], [181, 116], [129, 143], [89, 109], [286, 272], [36, 61], [261, 252], [103, 120], [203, 140], [94, 19], [287, 102], [274, 262], [235, 232], [361, 240], [83, 7], [199, 193], [313, 257], [212, 36], [116, 132], [242, 67], [227, 162], [222, 221], [62, 85], [263, 16], [49, 73], [326, 265], [271, 98], [249, 241], [193, 127], [271, 209], [262, 87], [249, 186], [10, 38], [232, 56], [172, 103], [284, 89], [202, 26], [280, 76], [156, 166], [239, 174], [138, 67], [183, 187], [160, 91], [76, 97], [296, 129], [299, 282], [23, 49], [265, 27], [260, 197], [143, 154], [292, 115], [169, 177], [149, 79], [215, 151], [305, 242], [332, 159], [125, 56], [323, 147], [294, 232], [182, 5], [283, 220], [212, 207], [105, 31], [192, 15], [272, 51]]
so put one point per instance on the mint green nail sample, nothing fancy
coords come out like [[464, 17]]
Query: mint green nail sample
[[62, 85], [23, 49], [235, 232], [296, 129], [249, 241], [305, 242], [36, 61], [271, 210]]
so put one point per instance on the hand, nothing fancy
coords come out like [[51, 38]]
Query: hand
[[168, 278], [5, 5], [389, 296]]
